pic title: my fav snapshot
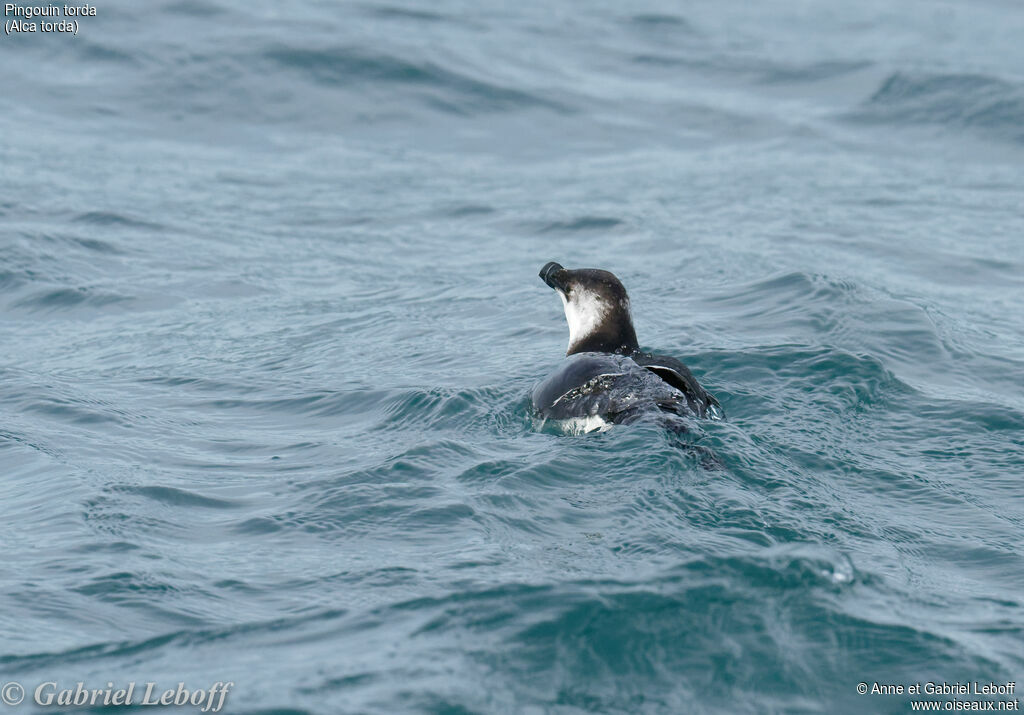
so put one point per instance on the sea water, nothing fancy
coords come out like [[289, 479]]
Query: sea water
[[270, 317]]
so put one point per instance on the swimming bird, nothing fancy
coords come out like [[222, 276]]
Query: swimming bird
[[606, 378]]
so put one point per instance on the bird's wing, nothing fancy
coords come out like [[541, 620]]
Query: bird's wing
[[676, 374]]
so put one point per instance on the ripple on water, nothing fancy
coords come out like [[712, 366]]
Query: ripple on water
[[455, 91], [991, 106]]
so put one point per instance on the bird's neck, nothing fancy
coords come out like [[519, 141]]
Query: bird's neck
[[621, 340]]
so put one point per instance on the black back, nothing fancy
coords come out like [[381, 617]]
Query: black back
[[615, 335]]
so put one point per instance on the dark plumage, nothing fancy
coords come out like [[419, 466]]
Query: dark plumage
[[607, 375]]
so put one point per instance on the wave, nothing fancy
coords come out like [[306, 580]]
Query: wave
[[390, 12], [582, 223], [662, 23], [991, 106], [171, 496], [440, 88], [110, 219], [141, 648], [724, 630], [59, 298], [777, 73], [761, 70], [94, 52]]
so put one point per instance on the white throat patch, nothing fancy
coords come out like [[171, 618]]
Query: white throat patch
[[584, 313]]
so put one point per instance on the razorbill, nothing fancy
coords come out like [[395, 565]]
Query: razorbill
[[606, 378]]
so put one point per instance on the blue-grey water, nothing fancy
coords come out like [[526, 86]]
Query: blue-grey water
[[270, 316]]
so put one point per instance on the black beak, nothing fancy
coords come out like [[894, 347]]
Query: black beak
[[554, 275]]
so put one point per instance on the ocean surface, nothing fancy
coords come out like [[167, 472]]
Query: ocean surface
[[270, 317]]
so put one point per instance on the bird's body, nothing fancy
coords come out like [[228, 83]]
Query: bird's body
[[606, 378]]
